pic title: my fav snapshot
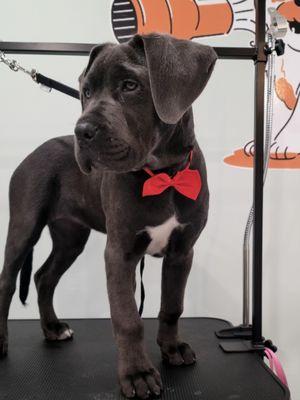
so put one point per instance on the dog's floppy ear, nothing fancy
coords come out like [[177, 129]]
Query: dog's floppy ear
[[178, 72], [93, 55]]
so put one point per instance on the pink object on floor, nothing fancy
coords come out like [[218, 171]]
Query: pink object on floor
[[276, 366]]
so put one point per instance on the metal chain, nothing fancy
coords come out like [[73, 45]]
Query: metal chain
[[15, 66]]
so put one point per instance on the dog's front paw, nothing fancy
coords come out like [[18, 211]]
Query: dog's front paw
[[138, 378], [178, 353], [3, 346]]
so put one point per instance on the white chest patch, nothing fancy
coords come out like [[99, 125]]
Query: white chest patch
[[160, 235]]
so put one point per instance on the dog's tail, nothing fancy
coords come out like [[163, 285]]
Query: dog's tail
[[25, 276]]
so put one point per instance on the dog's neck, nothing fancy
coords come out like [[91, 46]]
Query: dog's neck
[[172, 152]]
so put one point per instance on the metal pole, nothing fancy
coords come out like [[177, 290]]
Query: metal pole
[[83, 49], [258, 171]]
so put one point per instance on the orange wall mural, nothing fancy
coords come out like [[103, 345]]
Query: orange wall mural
[[184, 19]]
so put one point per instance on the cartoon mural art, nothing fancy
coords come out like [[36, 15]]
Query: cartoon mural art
[[285, 150], [184, 19], [192, 19]]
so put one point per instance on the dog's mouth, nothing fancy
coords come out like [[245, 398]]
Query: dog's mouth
[[83, 161], [117, 157]]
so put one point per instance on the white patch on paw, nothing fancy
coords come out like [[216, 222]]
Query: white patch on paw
[[160, 235], [67, 334]]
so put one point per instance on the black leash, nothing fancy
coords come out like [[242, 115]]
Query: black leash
[[52, 84], [39, 78], [142, 267]]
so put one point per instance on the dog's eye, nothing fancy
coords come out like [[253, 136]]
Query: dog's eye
[[129, 85], [87, 93]]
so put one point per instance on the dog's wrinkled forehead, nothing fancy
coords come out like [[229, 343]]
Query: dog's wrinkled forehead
[[113, 62]]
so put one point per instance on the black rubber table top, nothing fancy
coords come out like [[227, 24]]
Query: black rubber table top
[[85, 368]]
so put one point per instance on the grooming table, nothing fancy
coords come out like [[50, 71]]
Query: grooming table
[[85, 367]]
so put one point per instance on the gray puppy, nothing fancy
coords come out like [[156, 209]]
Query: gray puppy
[[136, 99]]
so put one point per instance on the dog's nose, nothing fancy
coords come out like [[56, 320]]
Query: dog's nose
[[85, 131]]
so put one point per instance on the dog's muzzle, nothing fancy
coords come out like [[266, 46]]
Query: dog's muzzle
[[94, 148]]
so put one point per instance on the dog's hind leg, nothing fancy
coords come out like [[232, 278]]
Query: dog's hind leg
[[23, 233], [29, 204], [174, 277], [69, 239]]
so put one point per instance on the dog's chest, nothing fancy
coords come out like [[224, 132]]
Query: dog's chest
[[160, 235]]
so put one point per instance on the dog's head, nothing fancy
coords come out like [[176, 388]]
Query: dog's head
[[130, 92]]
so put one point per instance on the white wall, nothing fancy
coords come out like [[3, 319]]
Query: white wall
[[224, 121]]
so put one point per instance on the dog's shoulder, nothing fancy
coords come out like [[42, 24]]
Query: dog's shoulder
[[60, 143], [51, 155]]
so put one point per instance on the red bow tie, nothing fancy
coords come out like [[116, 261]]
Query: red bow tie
[[187, 182]]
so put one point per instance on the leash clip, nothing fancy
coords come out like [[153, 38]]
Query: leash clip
[[15, 66]]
